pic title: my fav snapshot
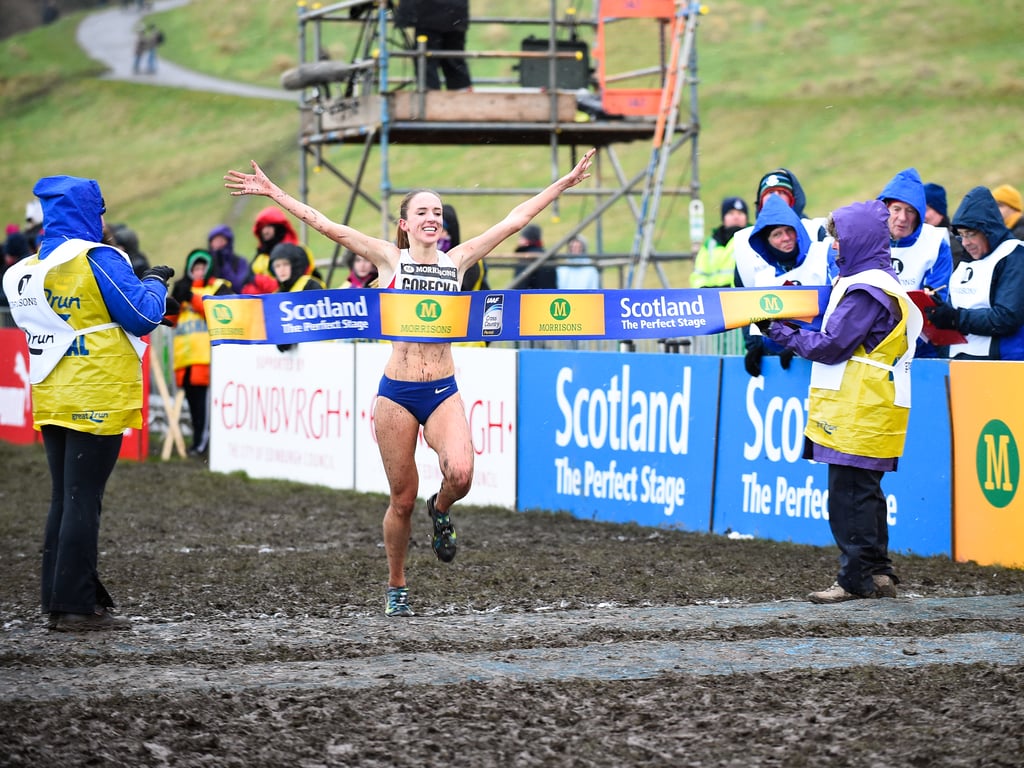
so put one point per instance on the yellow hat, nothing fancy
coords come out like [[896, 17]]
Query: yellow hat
[[1008, 195]]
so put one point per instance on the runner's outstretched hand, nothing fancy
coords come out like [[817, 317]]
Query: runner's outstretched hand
[[255, 183]]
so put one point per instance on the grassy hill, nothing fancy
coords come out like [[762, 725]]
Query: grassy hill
[[845, 94]]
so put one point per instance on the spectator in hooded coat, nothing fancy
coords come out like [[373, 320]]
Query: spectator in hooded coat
[[986, 293]]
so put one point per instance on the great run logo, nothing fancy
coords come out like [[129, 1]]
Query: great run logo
[[998, 463]]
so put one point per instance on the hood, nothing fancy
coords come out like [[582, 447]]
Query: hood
[[907, 187], [72, 207], [863, 232], [197, 254], [299, 257], [226, 231], [279, 220], [776, 213], [789, 179], [979, 210]]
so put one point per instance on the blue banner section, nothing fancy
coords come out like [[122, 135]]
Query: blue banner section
[[764, 488], [621, 438], [504, 315]]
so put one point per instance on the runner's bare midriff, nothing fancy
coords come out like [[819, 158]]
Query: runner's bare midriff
[[420, 361]]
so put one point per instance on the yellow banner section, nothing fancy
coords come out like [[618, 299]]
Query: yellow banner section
[[988, 520], [564, 316], [429, 317], [234, 319], [741, 308]]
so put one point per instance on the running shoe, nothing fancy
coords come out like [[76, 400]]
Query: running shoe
[[396, 602], [444, 532]]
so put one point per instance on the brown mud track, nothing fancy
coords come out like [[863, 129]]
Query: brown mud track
[[258, 639]]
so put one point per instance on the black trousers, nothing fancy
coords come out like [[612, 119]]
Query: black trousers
[[456, 71], [858, 519], [80, 465], [198, 396]]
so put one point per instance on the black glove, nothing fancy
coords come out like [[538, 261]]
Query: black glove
[[943, 315], [182, 291], [171, 310], [752, 360], [785, 358], [161, 273], [284, 347], [763, 326]]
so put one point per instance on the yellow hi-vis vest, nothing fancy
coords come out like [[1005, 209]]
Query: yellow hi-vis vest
[[191, 334], [862, 406], [85, 368]]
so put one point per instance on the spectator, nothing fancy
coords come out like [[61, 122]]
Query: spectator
[[443, 23], [715, 263], [474, 278], [986, 293], [936, 214], [87, 359], [859, 396], [778, 252], [921, 258], [579, 274], [270, 228], [33, 224], [15, 249], [543, 278], [292, 265], [362, 273], [123, 237], [192, 342], [1011, 205], [228, 265]]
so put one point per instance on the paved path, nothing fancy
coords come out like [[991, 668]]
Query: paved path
[[108, 36]]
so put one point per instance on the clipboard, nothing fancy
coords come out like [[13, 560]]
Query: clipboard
[[940, 337]]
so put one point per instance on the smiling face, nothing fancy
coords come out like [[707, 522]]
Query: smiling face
[[423, 218]]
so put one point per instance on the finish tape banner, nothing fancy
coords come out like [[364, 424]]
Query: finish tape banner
[[501, 315]]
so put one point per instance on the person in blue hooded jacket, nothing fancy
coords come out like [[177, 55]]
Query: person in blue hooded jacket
[[83, 311], [780, 251], [859, 396], [921, 257], [986, 292]]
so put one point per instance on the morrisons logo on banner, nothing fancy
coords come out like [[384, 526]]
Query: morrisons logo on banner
[[998, 463]]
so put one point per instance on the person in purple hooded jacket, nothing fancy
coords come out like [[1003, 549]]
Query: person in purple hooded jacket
[[228, 265], [859, 397]]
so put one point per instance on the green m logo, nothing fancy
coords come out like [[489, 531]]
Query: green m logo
[[222, 313], [560, 309], [998, 463], [428, 310], [770, 304]]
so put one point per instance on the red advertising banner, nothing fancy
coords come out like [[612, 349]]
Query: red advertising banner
[[16, 399]]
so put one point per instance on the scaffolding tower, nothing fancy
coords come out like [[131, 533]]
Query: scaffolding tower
[[377, 99]]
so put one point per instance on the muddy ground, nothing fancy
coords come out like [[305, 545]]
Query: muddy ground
[[258, 639]]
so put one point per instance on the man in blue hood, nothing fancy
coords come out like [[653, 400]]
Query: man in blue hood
[[859, 398], [986, 291], [779, 251], [921, 257], [83, 310]]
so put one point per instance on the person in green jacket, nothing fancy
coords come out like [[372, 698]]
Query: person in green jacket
[[714, 265]]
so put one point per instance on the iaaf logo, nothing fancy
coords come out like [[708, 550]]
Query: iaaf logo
[[997, 463]]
